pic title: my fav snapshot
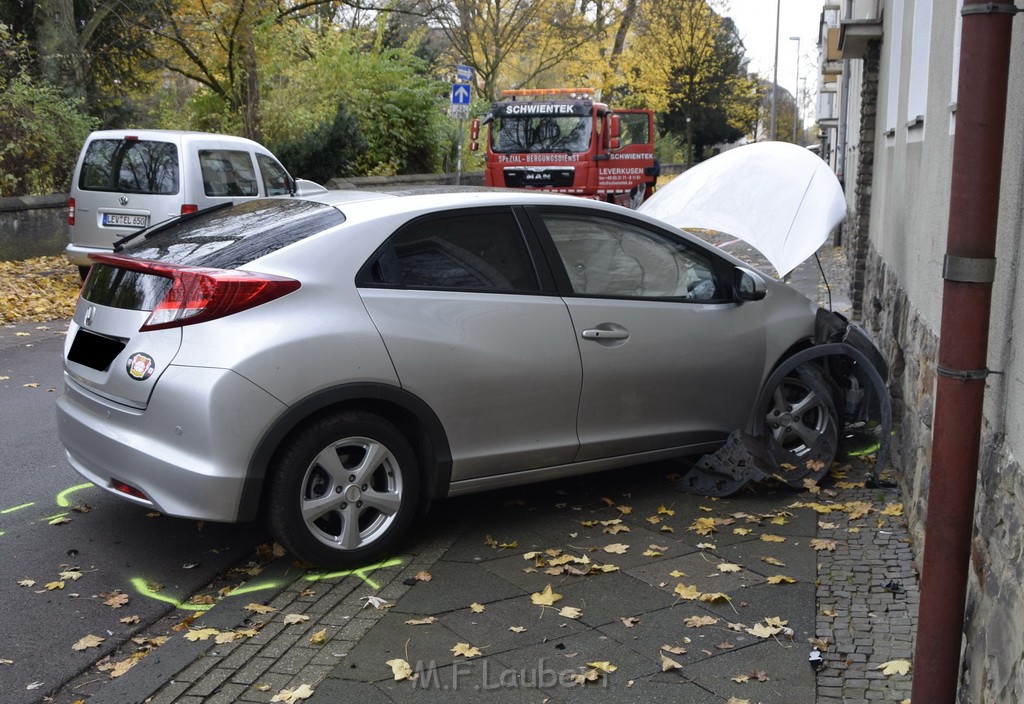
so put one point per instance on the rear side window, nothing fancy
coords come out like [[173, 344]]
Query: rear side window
[[228, 173], [130, 166], [232, 236], [478, 251], [275, 178]]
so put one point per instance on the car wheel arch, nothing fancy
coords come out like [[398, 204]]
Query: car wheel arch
[[410, 414]]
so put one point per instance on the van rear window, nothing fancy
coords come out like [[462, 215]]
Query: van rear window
[[130, 166]]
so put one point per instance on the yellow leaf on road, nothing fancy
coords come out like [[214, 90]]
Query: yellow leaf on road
[[570, 612], [400, 669], [89, 641], [319, 637], [728, 567], [668, 663], [769, 538], [466, 650], [823, 544], [259, 608], [780, 579], [686, 592], [894, 667], [292, 619], [426, 621], [477, 608], [698, 621], [546, 597], [603, 666], [616, 548], [290, 696], [201, 634]]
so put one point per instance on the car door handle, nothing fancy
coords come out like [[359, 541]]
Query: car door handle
[[595, 334]]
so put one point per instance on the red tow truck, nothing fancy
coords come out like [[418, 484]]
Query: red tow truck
[[562, 139]]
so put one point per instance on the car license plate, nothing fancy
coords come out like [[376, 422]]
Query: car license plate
[[118, 220]]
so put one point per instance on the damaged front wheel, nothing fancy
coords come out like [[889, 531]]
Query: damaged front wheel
[[801, 428]]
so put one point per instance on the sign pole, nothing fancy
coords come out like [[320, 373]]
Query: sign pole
[[458, 160]]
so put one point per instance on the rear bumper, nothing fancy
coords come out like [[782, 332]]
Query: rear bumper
[[79, 255], [188, 452]]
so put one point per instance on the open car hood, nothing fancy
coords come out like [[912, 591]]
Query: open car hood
[[778, 197]]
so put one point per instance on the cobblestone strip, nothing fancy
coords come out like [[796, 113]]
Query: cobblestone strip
[[867, 599], [282, 656]]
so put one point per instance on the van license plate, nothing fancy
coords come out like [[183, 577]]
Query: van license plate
[[118, 220]]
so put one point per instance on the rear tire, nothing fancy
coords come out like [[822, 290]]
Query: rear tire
[[344, 490]]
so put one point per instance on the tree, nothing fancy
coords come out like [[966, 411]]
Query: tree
[[697, 77], [41, 131], [512, 43]]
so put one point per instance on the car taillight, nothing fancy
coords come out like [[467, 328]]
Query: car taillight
[[187, 208], [198, 294], [71, 211]]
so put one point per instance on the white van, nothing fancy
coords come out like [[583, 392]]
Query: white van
[[126, 180]]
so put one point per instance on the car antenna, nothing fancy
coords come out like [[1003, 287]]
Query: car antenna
[[824, 279]]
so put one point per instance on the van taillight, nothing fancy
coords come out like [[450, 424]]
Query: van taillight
[[71, 211], [187, 208], [199, 294]]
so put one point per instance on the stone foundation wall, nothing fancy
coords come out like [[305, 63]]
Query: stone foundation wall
[[993, 660]]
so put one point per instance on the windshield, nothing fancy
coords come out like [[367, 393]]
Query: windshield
[[541, 133]]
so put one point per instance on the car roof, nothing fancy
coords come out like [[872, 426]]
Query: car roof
[[365, 204], [180, 136]]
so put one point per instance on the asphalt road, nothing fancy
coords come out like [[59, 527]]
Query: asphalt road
[[115, 546]]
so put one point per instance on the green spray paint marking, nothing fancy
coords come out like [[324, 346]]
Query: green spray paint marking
[[12, 509], [62, 497], [142, 588], [359, 572]]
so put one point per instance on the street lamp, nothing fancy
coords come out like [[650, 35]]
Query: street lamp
[[796, 94], [775, 74]]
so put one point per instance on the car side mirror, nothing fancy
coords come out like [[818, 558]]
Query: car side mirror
[[748, 285]]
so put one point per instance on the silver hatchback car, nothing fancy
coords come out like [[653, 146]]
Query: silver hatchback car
[[333, 364]]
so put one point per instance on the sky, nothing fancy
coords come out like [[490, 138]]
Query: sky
[[755, 21]]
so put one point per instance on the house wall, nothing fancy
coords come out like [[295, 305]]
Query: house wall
[[901, 308]]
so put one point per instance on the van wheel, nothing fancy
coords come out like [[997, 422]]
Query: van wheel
[[344, 490]]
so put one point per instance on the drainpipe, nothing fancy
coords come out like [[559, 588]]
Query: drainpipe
[[963, 345]]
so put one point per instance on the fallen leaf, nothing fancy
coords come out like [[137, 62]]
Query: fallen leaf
[[516, 629], [73, 575], [376, 602], [51, 586], [668, 663], [769, 538], [740, 679], [825, 525], [89, 641], [129, 619], [477, 608], [652, 553], [290, 696], [546, 597], [742, 531], [629, 621], [773, 561], [780, 579], [292, 619], [400, 669], [423, 576], [894, 667], [466, 650], [892, 510], [619, 528], [27, 583], [570, 612], [760, 630], [421, 621], [823, 544], [603, 666], [677, 574], [736, 700], [260, 608], [712, 597], [227, 637], [117, 600], [686, 592], [698, 621], [666, 511], [728, 567], [703, 526], [198, 634], [674, 649], [616, 548]]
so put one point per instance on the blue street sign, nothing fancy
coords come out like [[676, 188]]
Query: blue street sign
[[464, 74], [461, 94]]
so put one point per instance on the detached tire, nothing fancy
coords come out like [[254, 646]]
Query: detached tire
[[344, 490]]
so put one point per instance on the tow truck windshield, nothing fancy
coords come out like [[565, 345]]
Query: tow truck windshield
[[541, 133]]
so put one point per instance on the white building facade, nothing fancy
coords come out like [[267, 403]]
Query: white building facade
[[887, 122]]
